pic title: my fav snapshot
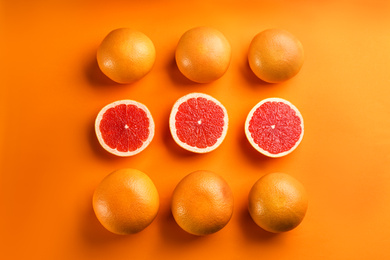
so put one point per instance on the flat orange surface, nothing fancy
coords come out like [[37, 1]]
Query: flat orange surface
[[52, 90]]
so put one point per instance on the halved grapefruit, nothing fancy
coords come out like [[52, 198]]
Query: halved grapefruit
[[124, 127], [274, 127], [198, 122]]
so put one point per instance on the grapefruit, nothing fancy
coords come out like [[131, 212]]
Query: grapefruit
[[275, 55], [124, 127], [126, 201], [203, 54], [274, 127], [202, 203], [278, 202], [126, 55], [198, 122]]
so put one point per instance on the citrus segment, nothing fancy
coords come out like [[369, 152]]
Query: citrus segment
[[198, 122], [202, 203], [277, 202], [124, 127], [274, 127], [203, 54], [126, 201]]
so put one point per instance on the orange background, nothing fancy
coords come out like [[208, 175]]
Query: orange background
[[52, 90]]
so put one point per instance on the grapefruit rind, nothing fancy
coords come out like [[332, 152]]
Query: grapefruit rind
[[250, 138], [111, 205], [115, 151], [172, 122], [202, 203], [203, 54]]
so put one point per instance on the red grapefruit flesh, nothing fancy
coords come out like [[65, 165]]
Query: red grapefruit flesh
[[198, 122], [274, 127], [124, 127]]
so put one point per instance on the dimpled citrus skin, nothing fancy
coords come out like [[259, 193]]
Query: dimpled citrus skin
[[126, 201], [203, 54], [275, 55], [126, 55], [277, 202], [202, 203]]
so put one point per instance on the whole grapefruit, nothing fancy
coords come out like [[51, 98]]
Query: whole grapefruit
[[203, 54], [275, 55], [126, 55], [202, 203], [126, 201], [278, 202]]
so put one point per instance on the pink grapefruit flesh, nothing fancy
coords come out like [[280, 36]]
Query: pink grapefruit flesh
[[198, 122], [274, 127], [124, 127]]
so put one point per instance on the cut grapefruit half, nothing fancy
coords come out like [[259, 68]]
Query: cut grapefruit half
[[124, 127], [274, 127], [198, 122]]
